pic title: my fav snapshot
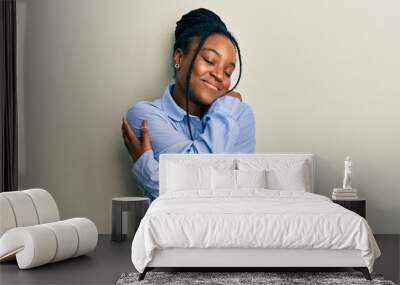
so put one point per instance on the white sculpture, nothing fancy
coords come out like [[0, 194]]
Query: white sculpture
[[347, 173]]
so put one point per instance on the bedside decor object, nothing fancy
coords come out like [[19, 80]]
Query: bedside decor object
[[344, 194], [120, 208], [347, 192], [347, 173], [31, 231]]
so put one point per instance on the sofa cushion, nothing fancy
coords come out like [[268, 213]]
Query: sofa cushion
[[7, 215], [45, 205], [23, 208], [40, 244]]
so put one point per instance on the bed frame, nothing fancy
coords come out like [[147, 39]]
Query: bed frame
[[244, 259]]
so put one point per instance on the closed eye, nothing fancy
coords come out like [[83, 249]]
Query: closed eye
[[209, 62], [212, 63]]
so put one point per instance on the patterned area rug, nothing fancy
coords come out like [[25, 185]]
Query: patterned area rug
[[229, 278]]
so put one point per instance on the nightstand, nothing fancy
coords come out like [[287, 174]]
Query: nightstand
[[120, 221], [358, 206]]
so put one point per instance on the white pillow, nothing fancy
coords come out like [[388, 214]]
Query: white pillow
[[251, 178], [287, 179], [223, 179], [281, 174], [182, 177], [229, 179]]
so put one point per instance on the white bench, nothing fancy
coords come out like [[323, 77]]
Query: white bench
[[31, 231]]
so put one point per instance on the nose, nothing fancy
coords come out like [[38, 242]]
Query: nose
[[217, 73]]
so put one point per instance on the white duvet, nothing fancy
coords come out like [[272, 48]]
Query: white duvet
[[251, 218]]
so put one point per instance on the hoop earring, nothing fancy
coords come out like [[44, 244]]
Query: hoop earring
[[177, 65]]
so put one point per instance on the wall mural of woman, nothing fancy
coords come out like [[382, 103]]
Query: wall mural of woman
[[199, 113]]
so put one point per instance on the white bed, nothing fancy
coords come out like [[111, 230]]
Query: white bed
[[202, 220]]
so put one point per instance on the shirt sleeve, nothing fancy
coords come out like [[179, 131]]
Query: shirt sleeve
[[246, 143], [145, 170], [220, 135]]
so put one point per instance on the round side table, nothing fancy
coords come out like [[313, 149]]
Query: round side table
[[120, 208]]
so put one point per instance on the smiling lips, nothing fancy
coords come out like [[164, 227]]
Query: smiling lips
[[208, 84]]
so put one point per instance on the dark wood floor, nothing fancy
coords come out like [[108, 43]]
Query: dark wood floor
[[111, 259], [102, 266]]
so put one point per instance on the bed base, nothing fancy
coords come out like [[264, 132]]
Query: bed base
[[245, 259], [364, 270]]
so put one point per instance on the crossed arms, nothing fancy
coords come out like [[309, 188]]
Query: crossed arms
[[229, 127]]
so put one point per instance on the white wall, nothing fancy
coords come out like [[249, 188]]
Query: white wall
[[321, 76]]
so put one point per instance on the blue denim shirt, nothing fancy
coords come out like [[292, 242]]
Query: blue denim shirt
[[227, 126]]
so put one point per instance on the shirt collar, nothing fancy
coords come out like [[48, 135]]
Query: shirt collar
[[169, 105]]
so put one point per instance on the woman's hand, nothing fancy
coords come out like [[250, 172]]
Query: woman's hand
[[235, 94], [136, 147]]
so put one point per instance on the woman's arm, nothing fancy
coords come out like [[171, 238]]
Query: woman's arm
[[145, 170], [142, 149], [224, 121], [220, 133]]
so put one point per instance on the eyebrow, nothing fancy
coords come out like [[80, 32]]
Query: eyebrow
[[213, 50]]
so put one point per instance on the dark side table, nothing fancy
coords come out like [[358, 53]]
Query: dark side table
[[358, 206], [136, 207]]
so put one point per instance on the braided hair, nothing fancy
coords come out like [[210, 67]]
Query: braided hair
[[200, 23]]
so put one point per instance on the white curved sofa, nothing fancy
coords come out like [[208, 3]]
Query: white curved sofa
[[31, 231]]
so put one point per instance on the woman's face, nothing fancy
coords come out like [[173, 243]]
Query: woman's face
[[212, 69]]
